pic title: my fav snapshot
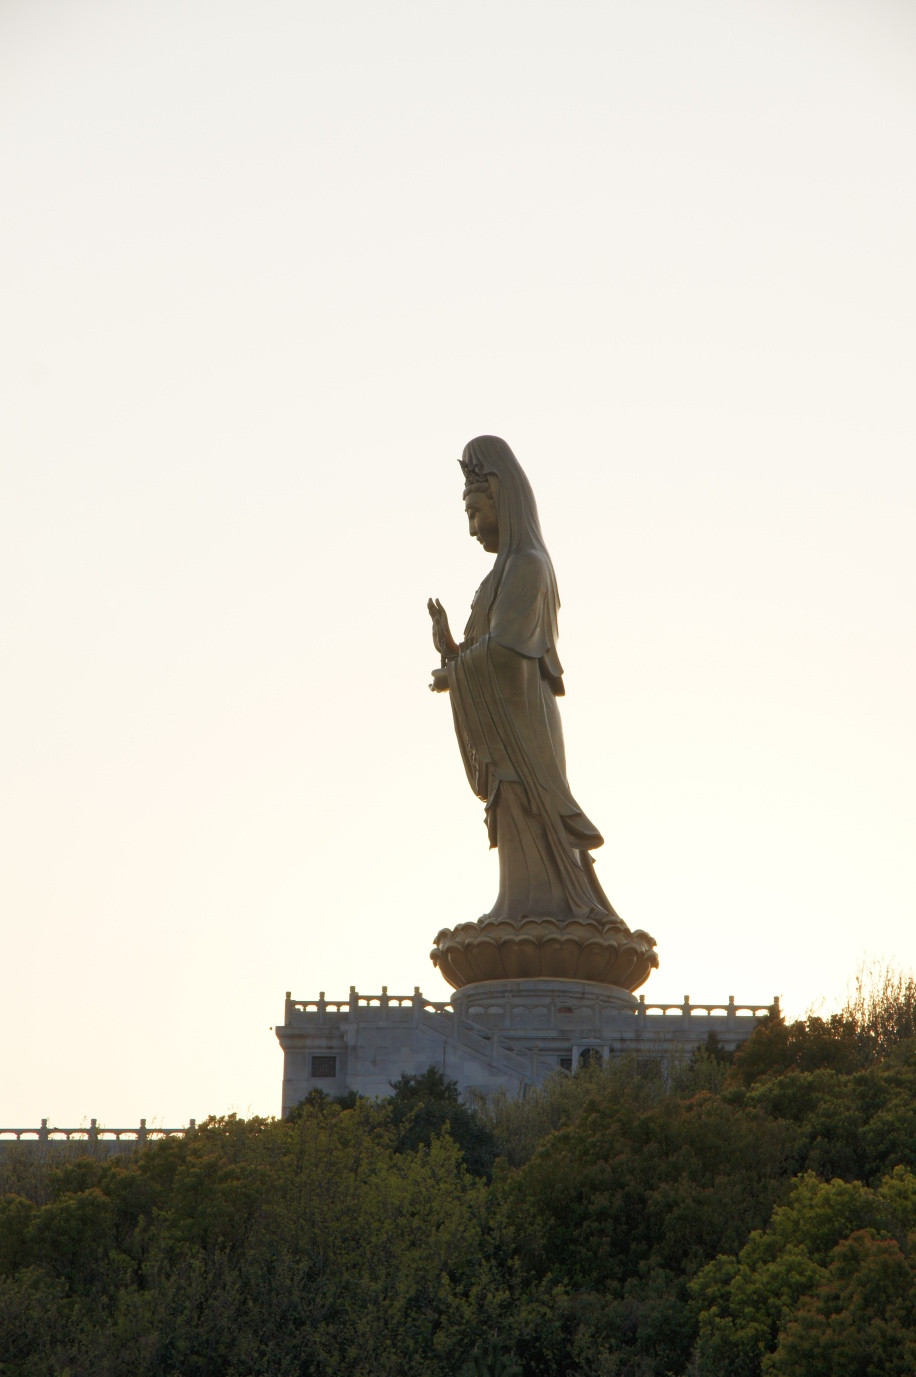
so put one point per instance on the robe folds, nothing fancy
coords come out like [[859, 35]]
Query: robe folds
[[503, 687]]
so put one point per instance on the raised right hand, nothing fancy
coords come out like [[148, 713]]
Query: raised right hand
[[443, 639]]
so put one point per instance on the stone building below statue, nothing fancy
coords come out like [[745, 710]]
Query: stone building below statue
[[494, 1035]]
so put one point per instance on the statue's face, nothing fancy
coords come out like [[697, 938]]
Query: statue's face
[[482, 520]]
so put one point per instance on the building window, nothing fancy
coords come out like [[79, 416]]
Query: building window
[[566, 1063], [590, 1056], [324, 1068]]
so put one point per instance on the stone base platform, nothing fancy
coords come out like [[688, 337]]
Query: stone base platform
[[495, 1034]]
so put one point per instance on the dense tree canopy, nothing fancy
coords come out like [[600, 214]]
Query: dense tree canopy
[[745, 1218]]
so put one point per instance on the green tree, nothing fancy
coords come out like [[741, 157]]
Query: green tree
[[860, 1318], [488, 1361], [764, 1310], [775, 1048], [423, 1105], [857, 1126], [882, 1009], [519, 1124], [251, 1248], [616, 1211]]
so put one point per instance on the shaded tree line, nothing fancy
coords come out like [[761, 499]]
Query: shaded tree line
[[754, 1215]]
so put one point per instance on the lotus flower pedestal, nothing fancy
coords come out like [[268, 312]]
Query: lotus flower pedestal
[[601, 951]]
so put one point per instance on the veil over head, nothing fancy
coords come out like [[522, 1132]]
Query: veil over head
[[520, 540], [519, 526]]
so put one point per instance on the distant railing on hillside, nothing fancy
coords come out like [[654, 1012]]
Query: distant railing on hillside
[[95, 1133]]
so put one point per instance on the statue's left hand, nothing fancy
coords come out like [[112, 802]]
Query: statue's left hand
[[439, 681]]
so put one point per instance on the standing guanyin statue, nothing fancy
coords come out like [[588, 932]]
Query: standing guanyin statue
[[551, 917]]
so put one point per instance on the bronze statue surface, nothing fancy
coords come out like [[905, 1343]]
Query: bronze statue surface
[[551, 916]]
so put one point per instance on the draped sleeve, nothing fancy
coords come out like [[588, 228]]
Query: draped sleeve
[[523, 617]]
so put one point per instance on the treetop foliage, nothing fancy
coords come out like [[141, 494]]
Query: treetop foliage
[[751, 1216]]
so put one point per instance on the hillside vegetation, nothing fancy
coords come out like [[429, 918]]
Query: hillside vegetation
[[754, 1218]]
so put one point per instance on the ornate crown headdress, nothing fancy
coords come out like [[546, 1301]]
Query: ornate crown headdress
[[475, 478]]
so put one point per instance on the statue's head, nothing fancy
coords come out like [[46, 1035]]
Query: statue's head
[[498, 499], [481, 489], [483, 519]]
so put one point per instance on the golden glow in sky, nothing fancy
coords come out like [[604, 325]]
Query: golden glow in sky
[[265, 269]]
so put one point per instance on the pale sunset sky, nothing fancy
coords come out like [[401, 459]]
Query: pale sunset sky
[[266, 266]]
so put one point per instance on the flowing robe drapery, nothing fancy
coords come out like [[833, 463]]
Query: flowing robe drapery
[[503, 686]]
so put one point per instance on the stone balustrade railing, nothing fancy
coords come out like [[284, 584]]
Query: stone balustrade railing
[[356, 1002], [95, 1133], [727, 1010]]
